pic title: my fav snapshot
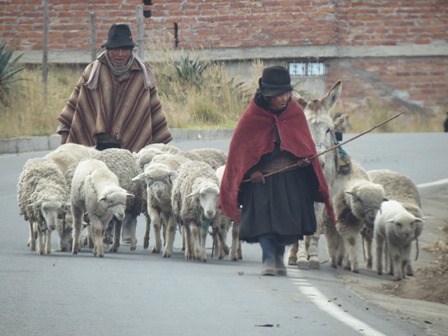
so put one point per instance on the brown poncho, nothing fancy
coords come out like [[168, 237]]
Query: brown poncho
[[124, 108]]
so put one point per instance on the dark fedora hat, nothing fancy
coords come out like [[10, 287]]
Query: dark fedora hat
[[274, 81], [119, 36]]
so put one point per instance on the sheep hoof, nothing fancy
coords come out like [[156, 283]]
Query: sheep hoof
[[292, 261]]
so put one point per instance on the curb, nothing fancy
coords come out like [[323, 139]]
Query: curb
[[44, 143]]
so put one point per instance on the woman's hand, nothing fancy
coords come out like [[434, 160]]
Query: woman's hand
[[303, 162], [257, 177]]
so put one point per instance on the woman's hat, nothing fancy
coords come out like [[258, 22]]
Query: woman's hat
[[274, 81], [119, 36]]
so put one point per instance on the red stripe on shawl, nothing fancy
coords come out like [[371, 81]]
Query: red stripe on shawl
[[253, 137]]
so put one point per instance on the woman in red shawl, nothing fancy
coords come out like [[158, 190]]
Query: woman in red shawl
[[276, 210]]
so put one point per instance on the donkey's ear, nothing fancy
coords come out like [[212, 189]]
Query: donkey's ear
[[298, 98], [332, 96]]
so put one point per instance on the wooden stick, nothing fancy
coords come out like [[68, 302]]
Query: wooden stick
[[294, 165]]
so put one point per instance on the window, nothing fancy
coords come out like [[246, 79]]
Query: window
[[303, 69]]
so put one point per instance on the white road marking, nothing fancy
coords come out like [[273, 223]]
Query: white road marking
[[433, 184], [329, 307]]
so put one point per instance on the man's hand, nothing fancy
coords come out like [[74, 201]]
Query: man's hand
[[64, 136], [303, 162], [257, 177]]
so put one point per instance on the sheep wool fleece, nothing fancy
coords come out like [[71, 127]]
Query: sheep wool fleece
[[253, 137], [121, 107]]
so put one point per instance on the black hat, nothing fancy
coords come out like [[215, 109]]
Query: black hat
[[119, 36], [274, 81]]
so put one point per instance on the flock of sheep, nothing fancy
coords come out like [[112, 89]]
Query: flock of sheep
[[90, 196]]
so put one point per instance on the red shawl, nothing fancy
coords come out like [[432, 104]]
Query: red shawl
[[253, 137]]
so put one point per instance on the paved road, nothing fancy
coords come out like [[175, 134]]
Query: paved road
[[138, 292]]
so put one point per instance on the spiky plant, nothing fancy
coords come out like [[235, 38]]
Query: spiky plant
[[191, 71], [8, 72]]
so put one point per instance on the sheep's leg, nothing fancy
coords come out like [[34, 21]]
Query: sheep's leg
[[98, 249], [396, 259], [203, 232], [194, 236], [40, 243], [188, 242], [130, 222], [224, 249], [116, 237], [302, 253], [77, 215], [352, 252], [332, 237], [292, 256], [313, 251], [235, 242], [146, 236], [379, 254], [48, 242], [368, 238], [170, 235], [156, 223], [406, 255], [32, 237]]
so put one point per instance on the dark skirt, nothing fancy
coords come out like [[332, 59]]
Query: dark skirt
[[282, 208]]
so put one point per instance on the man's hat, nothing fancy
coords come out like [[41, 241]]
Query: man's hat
[[274, 81], [119, 36]]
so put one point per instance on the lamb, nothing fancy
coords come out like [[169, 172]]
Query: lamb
[[96, 191], [194, 201], [42, 196], [395, 229], [402, 189], [159, 175], [355, 205], [122, 163]]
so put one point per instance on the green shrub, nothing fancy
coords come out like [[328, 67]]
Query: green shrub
[[8, 73]]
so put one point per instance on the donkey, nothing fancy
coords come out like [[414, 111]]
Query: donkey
[[305, 254]]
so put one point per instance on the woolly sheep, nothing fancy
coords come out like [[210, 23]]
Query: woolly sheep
[[213, 156], [43, 197], [68, 154], [122, 163], [395, 230], [355, 206], [194, 201], [159, 175], [402, 189], [147, 153], [96, 191]]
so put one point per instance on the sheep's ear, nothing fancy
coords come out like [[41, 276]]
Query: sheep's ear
[[66, 206], [128, 195], [194, 192], [172, 176], [350, 193], [102, 198], [385, 199], [139, 177]]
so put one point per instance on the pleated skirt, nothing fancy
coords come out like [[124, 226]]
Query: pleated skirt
[[282, 208]]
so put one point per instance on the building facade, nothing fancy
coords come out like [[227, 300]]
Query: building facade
[[395, 51]]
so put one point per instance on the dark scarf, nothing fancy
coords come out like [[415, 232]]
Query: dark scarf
[[254, 136]]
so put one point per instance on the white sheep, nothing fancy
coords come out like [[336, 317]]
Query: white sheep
[[395, 229], [122, 163], [402, 189], [220, 228], [43, 197], [213, 156], [96, 191], [194, 201], [147, 153], [159, 175], [355, 206], [68, 154]]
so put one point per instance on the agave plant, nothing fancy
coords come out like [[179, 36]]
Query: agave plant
[[8, 72], [191, 71]]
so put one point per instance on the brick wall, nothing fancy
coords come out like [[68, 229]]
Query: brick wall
[[394, 49]]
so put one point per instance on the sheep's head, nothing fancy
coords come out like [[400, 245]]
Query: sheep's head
[[207, 193], [159, 181], [365, 201], [49, 211], [114, 200], [405, 225]]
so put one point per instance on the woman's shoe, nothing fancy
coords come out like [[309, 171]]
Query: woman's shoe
[[268, 268]]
